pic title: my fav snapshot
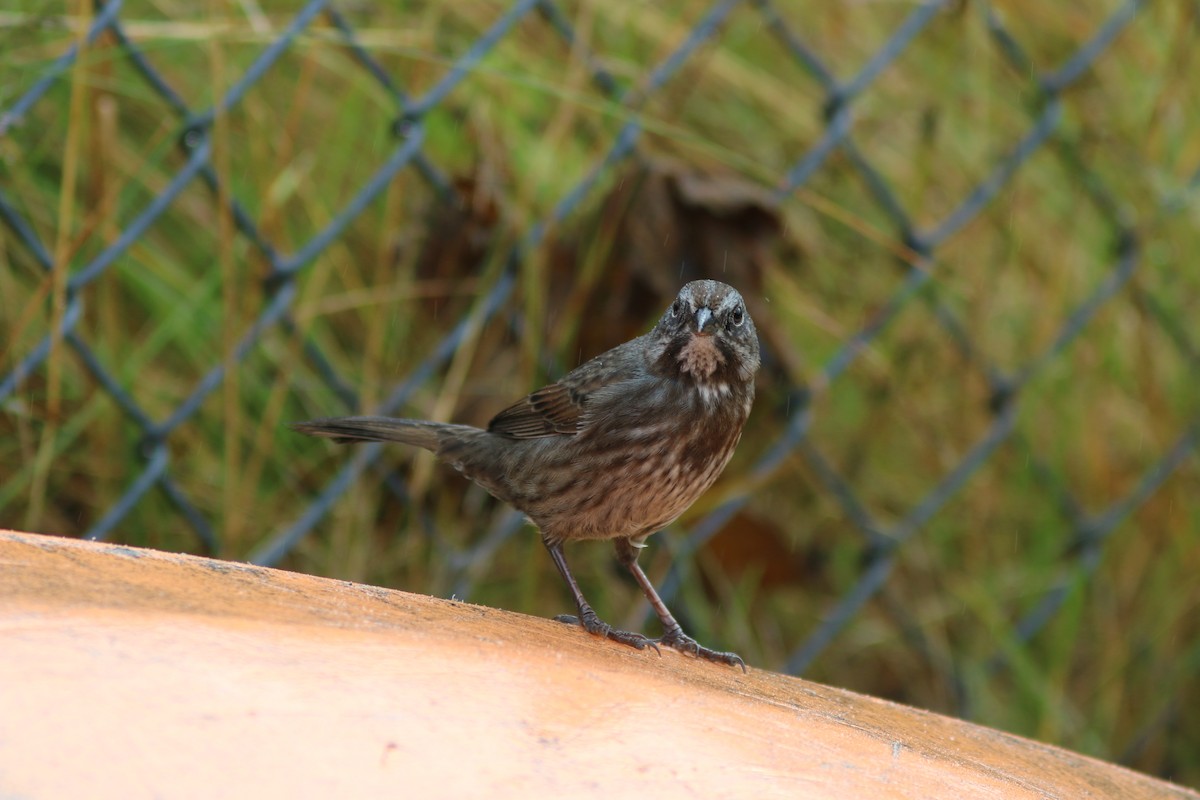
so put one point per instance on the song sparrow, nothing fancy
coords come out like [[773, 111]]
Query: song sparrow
[[617, 449]]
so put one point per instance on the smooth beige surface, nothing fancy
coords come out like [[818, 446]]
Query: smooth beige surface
[[131, 673]]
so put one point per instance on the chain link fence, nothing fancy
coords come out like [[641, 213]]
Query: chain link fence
[[893, 171]]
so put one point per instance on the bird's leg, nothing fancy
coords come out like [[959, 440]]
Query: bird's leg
[[673, 635], [588, 618]]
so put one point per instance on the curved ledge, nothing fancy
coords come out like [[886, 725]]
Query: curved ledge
[[129, 673]]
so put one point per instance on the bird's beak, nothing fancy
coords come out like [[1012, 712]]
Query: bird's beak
[[705, 321]]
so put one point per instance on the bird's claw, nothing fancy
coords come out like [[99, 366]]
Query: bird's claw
[[678, 640], [594, 625]]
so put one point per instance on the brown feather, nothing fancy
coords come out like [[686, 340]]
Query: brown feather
[[550, 411], [558, 409]]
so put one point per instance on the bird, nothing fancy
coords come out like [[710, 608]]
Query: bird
[[617, 449]]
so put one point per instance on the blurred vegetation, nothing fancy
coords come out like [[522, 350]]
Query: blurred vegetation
[[1114, 671]]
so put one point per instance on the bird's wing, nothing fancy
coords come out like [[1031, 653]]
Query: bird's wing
[[550, 411], [559, 409]]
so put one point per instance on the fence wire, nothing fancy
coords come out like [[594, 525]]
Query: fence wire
[[885, 535]]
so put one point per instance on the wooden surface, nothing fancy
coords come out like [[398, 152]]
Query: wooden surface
[[131, 673]]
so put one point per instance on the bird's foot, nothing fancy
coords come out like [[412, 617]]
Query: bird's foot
[[676, 639], [594, 625]]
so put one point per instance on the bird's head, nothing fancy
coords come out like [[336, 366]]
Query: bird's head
[[706, 336]]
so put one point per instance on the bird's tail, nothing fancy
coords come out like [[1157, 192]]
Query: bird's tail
[[420, 433]]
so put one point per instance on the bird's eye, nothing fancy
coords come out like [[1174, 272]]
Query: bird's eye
[[676, 307], [737, 317]]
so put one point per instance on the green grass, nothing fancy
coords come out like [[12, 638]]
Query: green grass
[[1115, 672]]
